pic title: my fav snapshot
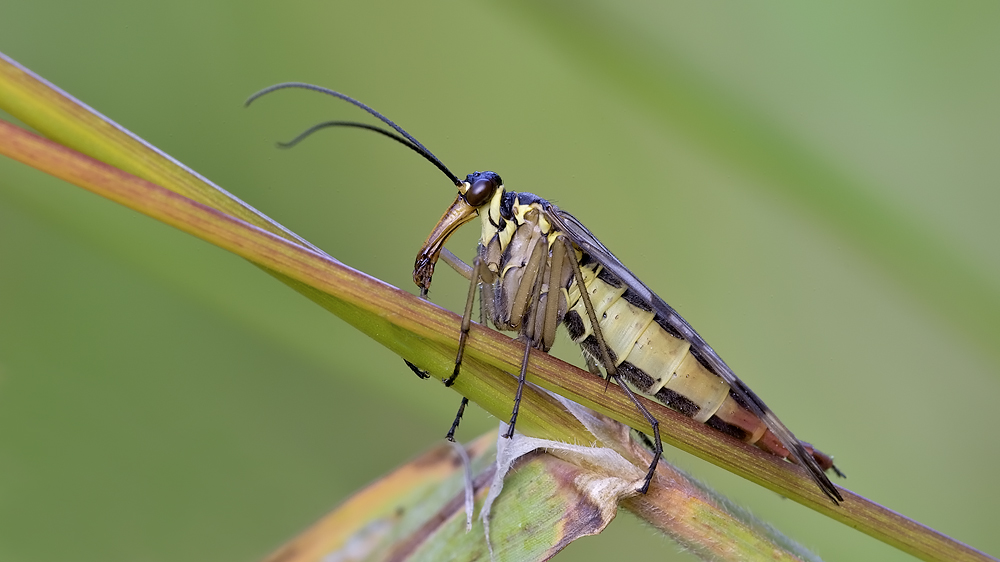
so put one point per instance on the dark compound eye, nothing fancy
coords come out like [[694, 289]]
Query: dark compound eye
[[482, 189]]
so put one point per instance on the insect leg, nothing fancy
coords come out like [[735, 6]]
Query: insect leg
[[470, 273], [533, 273], [456, 263], [463, 269], [550, 321], [458, 420], [609, 367], [417, 370], [466, 321], [520, 389], [658, 451]]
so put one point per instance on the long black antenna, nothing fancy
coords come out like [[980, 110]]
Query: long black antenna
[[400, 139], [411, 142]]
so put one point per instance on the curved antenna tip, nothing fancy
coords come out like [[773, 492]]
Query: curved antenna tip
[[409, 140], [280, 86]]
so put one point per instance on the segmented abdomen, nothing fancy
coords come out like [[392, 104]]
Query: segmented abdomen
[[655, 360]]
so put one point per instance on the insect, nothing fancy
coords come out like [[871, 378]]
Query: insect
[[537, 267]]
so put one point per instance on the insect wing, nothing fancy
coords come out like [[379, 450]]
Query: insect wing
[[589, 243]]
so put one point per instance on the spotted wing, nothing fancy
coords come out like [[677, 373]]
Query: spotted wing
[[589, 243]]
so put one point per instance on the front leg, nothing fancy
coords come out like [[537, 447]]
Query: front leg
[[466, 320], [473, 275]]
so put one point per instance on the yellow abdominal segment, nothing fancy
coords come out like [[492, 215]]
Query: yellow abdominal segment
[[632, 335]]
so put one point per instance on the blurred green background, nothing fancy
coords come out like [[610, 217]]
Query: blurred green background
[[813, 187]]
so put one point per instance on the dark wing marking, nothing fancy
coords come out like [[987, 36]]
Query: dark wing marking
[[592, 246]]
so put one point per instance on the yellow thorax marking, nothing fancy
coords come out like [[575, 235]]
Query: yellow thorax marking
[[492, 217]]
